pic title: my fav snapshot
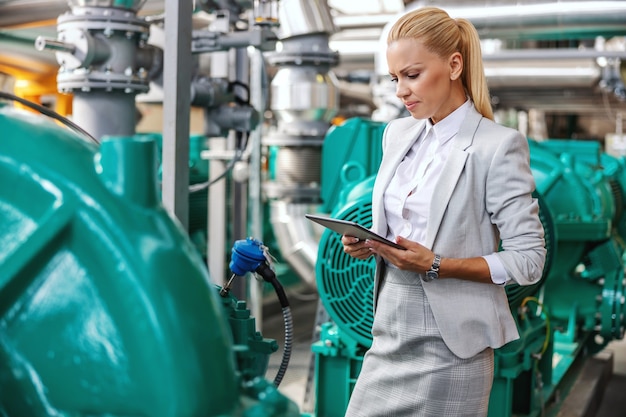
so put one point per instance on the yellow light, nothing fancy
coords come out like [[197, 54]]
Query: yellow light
[[266, 12]]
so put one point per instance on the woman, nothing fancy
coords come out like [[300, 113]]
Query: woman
[[452, 187]]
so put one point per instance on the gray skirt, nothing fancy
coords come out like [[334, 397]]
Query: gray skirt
[[409, 370]]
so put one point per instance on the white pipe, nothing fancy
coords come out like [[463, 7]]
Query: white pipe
[[297, 237], [511, 19]]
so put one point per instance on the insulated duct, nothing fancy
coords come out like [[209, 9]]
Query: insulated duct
[[512, 19], [296, 237], [304, 99]]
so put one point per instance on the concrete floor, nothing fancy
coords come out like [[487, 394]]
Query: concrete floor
[[612, 401]]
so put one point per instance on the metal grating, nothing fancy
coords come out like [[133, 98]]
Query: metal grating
[[346, 284]]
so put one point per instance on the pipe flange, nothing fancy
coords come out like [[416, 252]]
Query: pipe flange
[[309, 194], [289, 140], [304, 58], [107, 20], [86, 81]]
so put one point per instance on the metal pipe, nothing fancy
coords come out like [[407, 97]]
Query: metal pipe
[[258, 92], [543, 73], [103, 113], [360, 53], [503, 19], [551, 54], [508, 19], [296, 237], [37, 13], [305, 97], [176, 82], [42, 43]]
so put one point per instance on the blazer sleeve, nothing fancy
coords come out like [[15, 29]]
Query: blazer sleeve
[[514, 211]]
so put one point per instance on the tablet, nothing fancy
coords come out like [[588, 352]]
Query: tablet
[[350, 228]]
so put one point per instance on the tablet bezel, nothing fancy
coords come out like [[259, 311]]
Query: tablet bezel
[[350, 228]]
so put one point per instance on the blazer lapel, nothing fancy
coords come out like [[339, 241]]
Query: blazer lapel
[[450, 174], [398, 148], [395, 150]]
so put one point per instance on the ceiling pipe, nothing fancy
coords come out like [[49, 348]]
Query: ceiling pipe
[[39, 13], [504, 19], [508, 19]]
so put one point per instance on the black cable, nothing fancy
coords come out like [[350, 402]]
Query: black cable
[[268, 275], [194, 188], [50, 113]]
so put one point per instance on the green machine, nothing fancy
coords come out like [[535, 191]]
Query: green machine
[[106, 307], [573, 313]]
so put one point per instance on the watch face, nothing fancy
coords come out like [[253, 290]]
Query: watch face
[[430, 275]]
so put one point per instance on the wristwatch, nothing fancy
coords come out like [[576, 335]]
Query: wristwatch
[[433, 272]]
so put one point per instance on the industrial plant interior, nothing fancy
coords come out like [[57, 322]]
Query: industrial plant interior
[[157, 160]]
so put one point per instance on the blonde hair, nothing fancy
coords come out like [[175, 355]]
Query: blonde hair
[[443, 36]]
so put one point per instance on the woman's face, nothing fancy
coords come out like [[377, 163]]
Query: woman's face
[[429, 86]]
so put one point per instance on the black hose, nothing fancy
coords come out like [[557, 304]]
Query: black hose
[[268, 275], [194, 188], [50, 113], [284, 363]]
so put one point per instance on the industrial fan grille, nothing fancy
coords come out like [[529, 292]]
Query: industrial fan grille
[[346, 284]]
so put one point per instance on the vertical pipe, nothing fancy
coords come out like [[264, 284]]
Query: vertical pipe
[[176, 109], [257, 100], [104, 113], [240, 188], [240, 219], [216, 243], [216, 194]]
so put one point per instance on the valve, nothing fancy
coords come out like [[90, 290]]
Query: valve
[[247, 256], [251, 255]]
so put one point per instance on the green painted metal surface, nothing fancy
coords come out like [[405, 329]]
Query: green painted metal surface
[[198, 198], [106, 308], [337, 358], [351, 153], [584, 288]]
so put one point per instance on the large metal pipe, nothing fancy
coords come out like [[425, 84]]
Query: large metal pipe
[[496, 19], [296, 237], [510, 19], [38, 13], [305, 97]]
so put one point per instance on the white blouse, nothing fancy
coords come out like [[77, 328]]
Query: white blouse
[[407, 198]]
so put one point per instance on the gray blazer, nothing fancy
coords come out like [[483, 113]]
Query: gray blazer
[[484, 197]]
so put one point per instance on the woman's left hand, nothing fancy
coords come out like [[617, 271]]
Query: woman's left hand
[[415, 257]]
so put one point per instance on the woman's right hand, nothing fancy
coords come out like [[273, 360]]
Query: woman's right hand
[[355, 247]]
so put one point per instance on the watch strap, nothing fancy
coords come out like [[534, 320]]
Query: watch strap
[[433, 272], [436, 263]]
